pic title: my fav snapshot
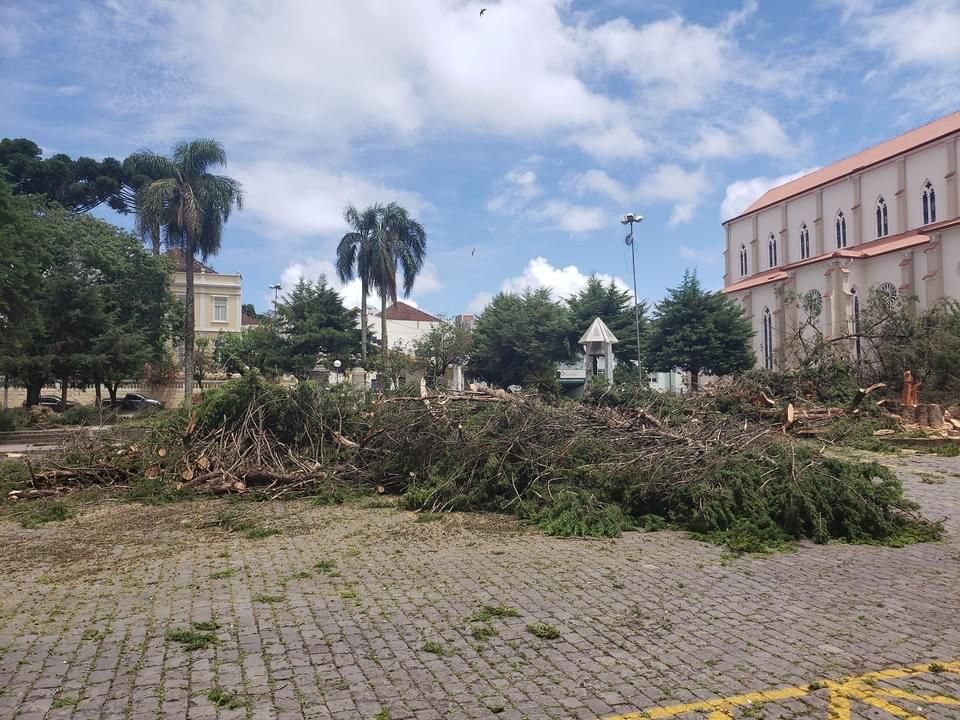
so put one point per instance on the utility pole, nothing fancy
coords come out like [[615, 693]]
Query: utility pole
[[630, 219]]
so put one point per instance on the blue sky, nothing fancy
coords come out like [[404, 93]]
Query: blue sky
[[517, 138]]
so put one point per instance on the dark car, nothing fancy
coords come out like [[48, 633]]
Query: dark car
[[133, 401], [55, 403]]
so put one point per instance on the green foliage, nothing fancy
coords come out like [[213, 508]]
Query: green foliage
[[483, 632], [313, 321], [445, 344], [205, 625], [578, 514], [43, 512], [155, 491], [519, 338], [433, 647], [225, 699], [615, 307], [326, 566], [64, 701], [544, 631], [191, 639], [269, 599], [750, 536], [699, 331], [14, 419]]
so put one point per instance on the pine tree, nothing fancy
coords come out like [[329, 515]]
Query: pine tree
[[699, 331], [615, 307]]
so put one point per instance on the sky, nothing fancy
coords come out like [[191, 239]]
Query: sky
[[518, 138]]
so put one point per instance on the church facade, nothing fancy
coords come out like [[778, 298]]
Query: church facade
[[886, 219]]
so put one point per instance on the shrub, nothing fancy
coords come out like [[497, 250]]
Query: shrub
[[13, 419]]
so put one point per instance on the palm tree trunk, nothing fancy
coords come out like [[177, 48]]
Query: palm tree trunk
[[155, 238], [363, 322], [189, 329], [383, 323]]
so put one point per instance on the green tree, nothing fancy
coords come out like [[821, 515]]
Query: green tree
[[519, 338], [699, 331], [615, 307], [446, 344], [257, 348], [100, 306], [314, 321], [191, 205], [383, 240]]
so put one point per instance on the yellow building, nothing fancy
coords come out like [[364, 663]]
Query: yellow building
[[217, 296]]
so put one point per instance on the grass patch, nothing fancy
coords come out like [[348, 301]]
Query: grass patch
[[951, 450], [348, 593], [483, 632], [64, 701], [258, 533], [544, 631], [302, 575], [221, 574], [269, 598], [206, 625], [382, 715], [937, 668], [325, 566], [154, 491], [41, 513], [432, 647], [241, 523], [225, 699], [426, 517], [191, 639], [489, 612]]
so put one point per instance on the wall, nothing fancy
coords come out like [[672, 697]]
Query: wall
[[208, 286]]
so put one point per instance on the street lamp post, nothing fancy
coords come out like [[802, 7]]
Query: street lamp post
[[336, 366], [276, 294], [630, 219]]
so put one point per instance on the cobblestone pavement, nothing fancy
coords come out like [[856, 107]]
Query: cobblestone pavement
[[330, 619]]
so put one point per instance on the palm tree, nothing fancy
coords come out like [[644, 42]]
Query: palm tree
[[398, 241], [354, 246], [191, 205]]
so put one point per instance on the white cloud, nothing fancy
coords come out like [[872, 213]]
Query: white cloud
[[10, 22], [294, 201], [617, 142], [757, 132], [598, 181], [685, 189], [561, 282], [743, 193], [515, 195], [479, 302], [916, 32]]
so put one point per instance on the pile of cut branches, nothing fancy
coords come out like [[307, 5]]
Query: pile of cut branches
[[574, 468]]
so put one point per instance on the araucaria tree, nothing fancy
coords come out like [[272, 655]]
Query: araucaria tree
[[699, 331], [190, 205], [383, 240], [519, 338]]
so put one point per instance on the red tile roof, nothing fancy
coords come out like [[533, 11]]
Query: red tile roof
[[402, 311], [247, 320], [180, 262], [881, 246], [911, 140]]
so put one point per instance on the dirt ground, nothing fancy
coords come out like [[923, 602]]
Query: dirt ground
[[372, 612]]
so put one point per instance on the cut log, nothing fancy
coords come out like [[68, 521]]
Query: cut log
[[766, 399], [955, 423], [884, 431], [203, 462], [933, 415], [788, 417], [344, 441], [161, 452]]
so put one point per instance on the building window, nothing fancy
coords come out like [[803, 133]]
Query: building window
[[841, 230], [881, 218], [766, 339], [743, 261], [856, 322], [772, 250], [929, 203], [219, 309], [887, 289], [804, 241]]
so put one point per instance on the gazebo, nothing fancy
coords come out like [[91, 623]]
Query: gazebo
[[598, 342]]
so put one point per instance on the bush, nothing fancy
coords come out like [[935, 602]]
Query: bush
[[13, 419]]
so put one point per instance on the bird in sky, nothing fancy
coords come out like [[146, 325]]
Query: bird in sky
[[482, 12], [473, 252]]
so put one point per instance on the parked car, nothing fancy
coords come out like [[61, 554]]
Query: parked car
[[54, 403], [133, 401]]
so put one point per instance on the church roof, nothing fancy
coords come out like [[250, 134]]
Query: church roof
[[923, 135], [598, 332]]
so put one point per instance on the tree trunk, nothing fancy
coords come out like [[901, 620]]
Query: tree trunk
[[63, 393], [155, 238], [33, 393], [694, 380], [112, 389], [189, 329], [99, 396], [363, 322], [383, 323]]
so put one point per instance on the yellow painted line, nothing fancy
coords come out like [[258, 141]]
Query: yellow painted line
[[861, 689]]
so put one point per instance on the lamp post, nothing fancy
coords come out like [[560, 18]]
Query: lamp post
[[276, 294], [336, 366], [630, 219]]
